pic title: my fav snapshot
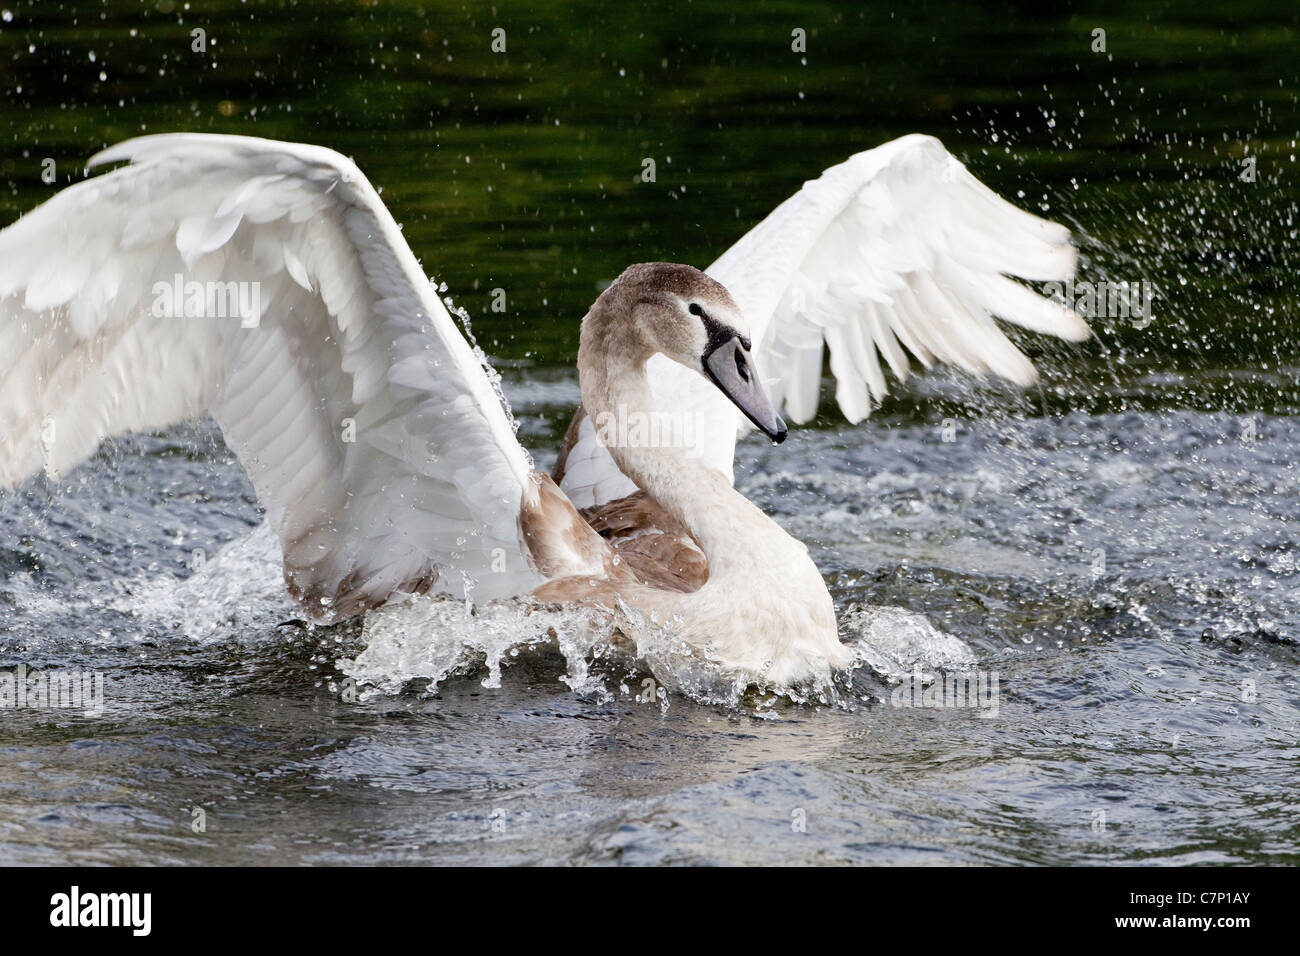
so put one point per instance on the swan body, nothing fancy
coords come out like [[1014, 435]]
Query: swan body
[[785, 629], [377, 438]]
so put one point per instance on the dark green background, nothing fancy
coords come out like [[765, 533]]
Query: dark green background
[[1123, 690], [521, 170]]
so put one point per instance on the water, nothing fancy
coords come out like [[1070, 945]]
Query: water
[[1117, 545]]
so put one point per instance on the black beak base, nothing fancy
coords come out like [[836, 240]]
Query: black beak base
[[730, 368]]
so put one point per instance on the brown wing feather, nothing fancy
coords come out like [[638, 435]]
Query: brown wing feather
[[642, 543], [570, 439], [650, 541]]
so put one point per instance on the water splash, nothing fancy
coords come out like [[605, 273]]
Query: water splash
[[895, 642], [242, 584], [608, 656]]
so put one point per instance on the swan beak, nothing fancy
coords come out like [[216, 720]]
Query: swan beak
[[730, 367]]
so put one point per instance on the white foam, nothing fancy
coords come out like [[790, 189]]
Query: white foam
[[436, 639], [895, 642], [243, 582]]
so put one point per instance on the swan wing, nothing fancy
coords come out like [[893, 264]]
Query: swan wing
[[898, 252], [266, 282]]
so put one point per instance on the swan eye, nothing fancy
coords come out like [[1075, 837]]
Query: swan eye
[[741, 368], [695, 309]]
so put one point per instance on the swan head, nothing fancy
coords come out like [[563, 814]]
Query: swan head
[[681, 312]]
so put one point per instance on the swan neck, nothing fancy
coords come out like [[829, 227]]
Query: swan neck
[[645, 443]]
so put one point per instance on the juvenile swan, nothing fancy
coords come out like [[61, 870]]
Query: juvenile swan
[[266, 283]]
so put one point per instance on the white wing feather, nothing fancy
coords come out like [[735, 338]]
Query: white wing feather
[[351, 341], [898, 250]]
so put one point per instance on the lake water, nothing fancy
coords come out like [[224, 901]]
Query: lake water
[[1118, 546]]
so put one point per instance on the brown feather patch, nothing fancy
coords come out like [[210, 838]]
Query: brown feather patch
[[651, 542]]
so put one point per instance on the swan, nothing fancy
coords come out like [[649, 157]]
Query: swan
[[266, 283]]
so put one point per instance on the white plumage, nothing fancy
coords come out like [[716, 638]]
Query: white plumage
[[377, 438], [897, 250], [351, 340]]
